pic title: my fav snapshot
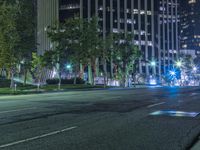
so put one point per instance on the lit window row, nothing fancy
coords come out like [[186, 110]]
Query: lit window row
[[191, 1], [135, 11], [70, 6]]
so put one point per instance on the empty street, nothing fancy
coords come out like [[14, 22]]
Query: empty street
[[113, 119]]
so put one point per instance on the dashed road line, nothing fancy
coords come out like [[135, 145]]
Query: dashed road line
[[37, 137], [194, 94], [157, 104], [16, 110]]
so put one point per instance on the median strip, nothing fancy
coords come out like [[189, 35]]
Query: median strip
[[37, 137]]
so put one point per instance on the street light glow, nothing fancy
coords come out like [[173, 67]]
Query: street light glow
[[194, 68], [68, 66], [178, 63], [153, 63], [173, 73]]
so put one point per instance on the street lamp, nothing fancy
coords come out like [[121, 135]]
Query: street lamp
[[152, 80], [172, 73], [68, 66], [173, 76], [179, 63], [153, 63], [194, 69]]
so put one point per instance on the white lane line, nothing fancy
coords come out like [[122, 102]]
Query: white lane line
[[16, 110], [153, 105], [193, 94], [37, 137]]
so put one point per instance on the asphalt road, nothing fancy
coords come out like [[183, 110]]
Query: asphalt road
[[100, 120]]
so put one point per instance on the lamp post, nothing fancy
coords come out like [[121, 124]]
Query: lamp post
[[194, 69], [173, 75], [68, 66], [179, 64], [153, 63], [69, 69], [153, 78]]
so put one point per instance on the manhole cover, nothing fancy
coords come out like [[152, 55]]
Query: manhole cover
[[174, 113]]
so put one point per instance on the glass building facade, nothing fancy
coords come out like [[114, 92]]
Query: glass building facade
[[47, 14]]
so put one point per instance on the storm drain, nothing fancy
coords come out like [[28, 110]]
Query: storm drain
[[174, 113]]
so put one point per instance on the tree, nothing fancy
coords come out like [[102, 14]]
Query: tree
[[26, 25], [186, 69], [59, 35], [125, 54], [18, 32], [37, 66], [9, 38], [106, 52], [76, 53], [92, 45], [77, 41]]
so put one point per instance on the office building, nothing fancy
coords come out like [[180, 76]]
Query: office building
[[190, 21], [153, 22]]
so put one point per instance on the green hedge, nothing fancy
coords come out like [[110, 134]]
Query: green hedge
[[4, 83], [65, 81]]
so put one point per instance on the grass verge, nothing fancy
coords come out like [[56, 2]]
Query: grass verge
[[46, 88]]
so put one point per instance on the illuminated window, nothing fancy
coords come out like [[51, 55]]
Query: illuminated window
[[191, 1]]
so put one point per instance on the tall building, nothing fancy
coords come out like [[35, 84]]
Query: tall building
[[47, 15], [153, 22], [190, 21], [167, 33]]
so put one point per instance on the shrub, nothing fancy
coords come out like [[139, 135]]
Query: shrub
[[52, 81], [65, 81], [4, 83]]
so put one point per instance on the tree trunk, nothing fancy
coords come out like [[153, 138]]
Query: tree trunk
[[124, 75], [90, 74], [105, 72], [59, 80], [111, 69], [12, 84], [81, 71], [25, 76], [75, 80], [75, 75], [123, 80], [97, 67], [94, 73]]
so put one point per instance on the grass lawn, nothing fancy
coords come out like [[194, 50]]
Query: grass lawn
[[46, 88]]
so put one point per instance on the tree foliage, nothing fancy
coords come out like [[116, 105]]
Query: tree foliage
[[125, 54], [76, 41], [9, 36], [17, 35], [9, 39]]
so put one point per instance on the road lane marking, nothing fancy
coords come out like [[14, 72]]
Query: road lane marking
[[37, 137], [174, 113], [193, 94], [157, 104], [16, 110]]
